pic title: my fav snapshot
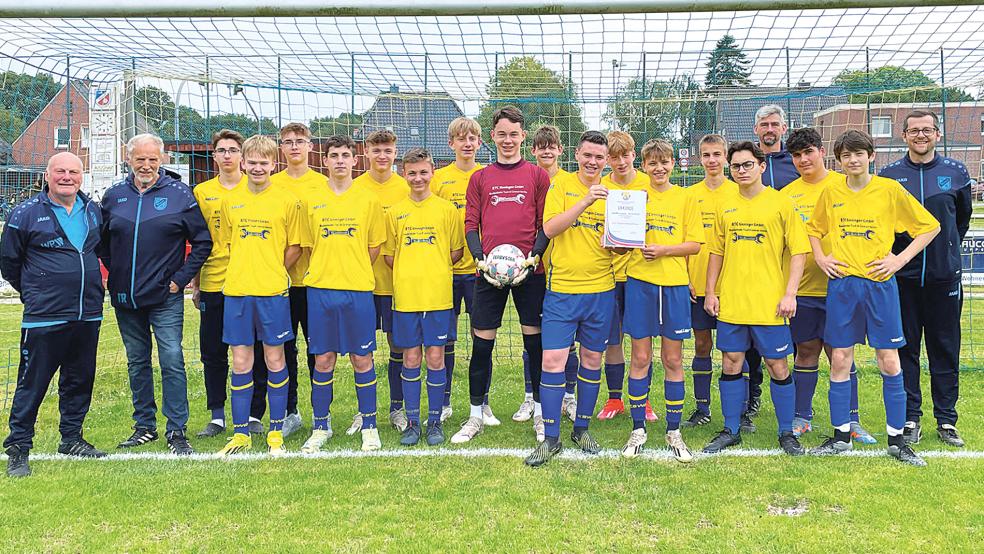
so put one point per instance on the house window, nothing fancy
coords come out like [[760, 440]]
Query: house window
[[881, 126], [85, 137], [982, 123], [414, 132], [61, 137]]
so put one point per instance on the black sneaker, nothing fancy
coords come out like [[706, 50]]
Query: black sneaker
[[256, 427], [583, 439], [901, 451], [17, 465], [178, 443], [724, 439], [211, 430], [948, 434], [696, 419], [139, 437], [754, 405], [80, 448], [435, 434], [833, 445], [411, 435], [746, 425], [790, 444], [544, 452], [912, 432]]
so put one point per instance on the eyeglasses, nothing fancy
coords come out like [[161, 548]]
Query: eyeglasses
[[747, 166], [224, 151], [928, 131], [293, 143]]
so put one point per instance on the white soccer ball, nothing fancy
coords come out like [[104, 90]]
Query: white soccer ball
[[505, 263]]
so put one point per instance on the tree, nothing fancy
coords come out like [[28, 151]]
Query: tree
[[727, 66], [648, 109], [544, 96], [155, 105], [344, 124], [893, 84], [23, 97], [11, 125]]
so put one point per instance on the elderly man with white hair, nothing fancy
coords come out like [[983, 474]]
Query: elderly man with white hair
[[147, 220]]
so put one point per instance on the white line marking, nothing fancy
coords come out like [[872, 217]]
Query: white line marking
[[569, 454]]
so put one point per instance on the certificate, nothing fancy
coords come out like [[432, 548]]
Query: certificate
[[625, 219]]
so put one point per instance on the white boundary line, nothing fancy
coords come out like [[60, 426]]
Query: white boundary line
[[568, 454]]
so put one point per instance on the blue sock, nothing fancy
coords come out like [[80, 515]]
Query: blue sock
[[733, 392], [674, 392], [702, 383], [614, 377], [588, 385], [839, 397], [449, 366], [322, 392], [638, 393], [893, 394], [784, 400], [805, 381], [218, 413], [277, 397], [242, 397], [748, 385], [411, 393], [649, 377], [551, 398], [570, 373], [526, 372], [365, 393], [855, 412], [395, 383], [436, 385]]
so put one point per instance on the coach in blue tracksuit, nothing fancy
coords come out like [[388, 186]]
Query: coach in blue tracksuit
[[48, 254], [929, 285], [147, 219]]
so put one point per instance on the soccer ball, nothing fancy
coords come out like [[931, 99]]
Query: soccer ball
[[505, 263]]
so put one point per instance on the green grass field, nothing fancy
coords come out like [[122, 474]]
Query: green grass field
[[488, 501]]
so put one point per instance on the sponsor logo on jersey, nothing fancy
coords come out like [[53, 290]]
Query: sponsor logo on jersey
[[264, 234], [668, 229], [757, 238], [517, 198], [430, 239], [43, 218], [350, 232], [56, 242], [866, 235]]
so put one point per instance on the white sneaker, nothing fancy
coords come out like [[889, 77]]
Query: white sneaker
[[469, 430], [539, 428], [679, 448], [525, 411], [317, 439], [370, 440], [569, 407], [446, 413], [488, 418], [398, 419], [292, 423], [637, 438], [356, 425]]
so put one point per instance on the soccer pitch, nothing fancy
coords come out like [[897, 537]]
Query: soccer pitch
[[480, 497]]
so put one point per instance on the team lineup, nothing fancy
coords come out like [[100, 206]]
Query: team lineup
[[785, 258]]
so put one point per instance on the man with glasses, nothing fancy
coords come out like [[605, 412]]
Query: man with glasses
[[929, 285], [207, 285]]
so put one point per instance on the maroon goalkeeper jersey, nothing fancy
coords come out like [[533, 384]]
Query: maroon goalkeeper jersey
[[504, 203]]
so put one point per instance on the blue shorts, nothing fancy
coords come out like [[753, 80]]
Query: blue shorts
[[587, 316], [411, 329], [772, 341], [384, 312], [341, 321], [657, 311], [246, 319], [858, 307], [811, 314], [615, 334], [700, 320]]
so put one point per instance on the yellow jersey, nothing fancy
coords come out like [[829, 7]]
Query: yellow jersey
[[672, 217], [420, 238], [258, 228], [639, 182], [751, 234], [707, 201], [209, 195], [578, 264], [301, 187], [862, 225], [394, 190], [450, 183], [805, 196], [341, 230], [545, 259]]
